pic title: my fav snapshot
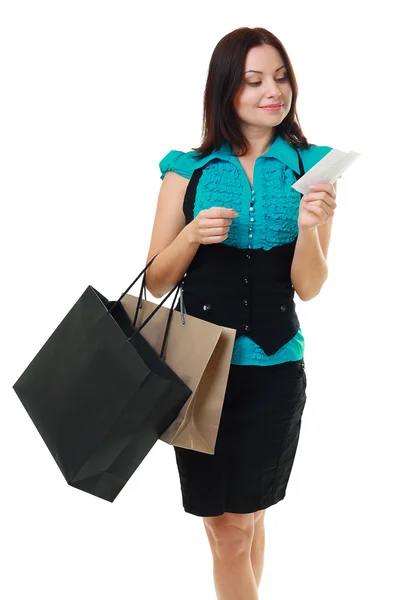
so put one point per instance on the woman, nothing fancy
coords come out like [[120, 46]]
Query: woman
[[228, 218]]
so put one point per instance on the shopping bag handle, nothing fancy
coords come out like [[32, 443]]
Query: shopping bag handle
[[133, 283], [182, 307], [143, 290], [177, 287]]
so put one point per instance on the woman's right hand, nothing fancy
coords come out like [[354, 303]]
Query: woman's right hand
[[211, 226]]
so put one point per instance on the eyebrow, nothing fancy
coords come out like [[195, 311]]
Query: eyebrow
[[252, 71]]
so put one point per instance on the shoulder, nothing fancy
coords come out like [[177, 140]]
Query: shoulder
[[183, 163], [313, 154]]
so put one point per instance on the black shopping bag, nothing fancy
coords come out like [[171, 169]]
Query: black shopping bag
[[99, 394]]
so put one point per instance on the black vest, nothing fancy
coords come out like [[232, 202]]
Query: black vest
[[248, 289]]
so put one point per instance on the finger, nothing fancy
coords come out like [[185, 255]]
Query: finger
[[222, 212], [322, 197], [318, 211], [323, 187], [329, 208], [217, 223]]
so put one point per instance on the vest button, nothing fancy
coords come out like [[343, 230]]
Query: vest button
[[245, 302], [283, 308], [246, 327], [246, 279], [206, 307]]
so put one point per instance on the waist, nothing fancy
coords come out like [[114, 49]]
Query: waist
[[227, 267]]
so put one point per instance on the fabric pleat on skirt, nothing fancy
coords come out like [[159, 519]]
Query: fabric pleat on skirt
[[256, 444]]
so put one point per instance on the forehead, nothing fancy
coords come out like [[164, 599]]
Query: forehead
[[263, 58]]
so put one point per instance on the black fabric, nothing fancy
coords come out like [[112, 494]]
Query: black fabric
[[256, 443], [249, 290]]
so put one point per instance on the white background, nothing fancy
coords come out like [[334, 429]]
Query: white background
[[93, 95]]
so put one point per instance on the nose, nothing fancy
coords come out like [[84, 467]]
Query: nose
[[274, 91]]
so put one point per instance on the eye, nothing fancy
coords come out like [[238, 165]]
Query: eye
[[257, 83]]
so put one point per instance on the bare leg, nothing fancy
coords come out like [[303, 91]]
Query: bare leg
[[258, 546], [230, 536]]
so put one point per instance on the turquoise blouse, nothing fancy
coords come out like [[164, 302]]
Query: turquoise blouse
[[268, 212]]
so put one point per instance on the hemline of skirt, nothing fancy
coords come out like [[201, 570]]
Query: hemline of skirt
[[243, 511]]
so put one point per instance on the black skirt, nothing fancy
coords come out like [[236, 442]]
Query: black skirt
[[256, 443]]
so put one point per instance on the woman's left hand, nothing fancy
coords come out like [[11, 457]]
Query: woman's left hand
[[318, 206]]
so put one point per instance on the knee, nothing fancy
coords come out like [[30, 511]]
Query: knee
[[230, 534]]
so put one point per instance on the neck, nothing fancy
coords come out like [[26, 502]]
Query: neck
[[259, 145]]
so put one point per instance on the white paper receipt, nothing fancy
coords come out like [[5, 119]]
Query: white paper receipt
[[327, 170]]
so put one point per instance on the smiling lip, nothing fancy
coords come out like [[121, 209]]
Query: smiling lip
[[272, 106]]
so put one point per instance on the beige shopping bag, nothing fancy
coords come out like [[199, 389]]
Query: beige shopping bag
[[200, 353]]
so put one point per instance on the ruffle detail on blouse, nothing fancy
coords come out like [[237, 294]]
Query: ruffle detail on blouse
[[279, 204], [221, 185], [247, 352]]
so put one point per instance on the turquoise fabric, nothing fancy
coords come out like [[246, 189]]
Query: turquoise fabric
[[268, 212]]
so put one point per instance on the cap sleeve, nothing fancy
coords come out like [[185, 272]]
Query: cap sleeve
[[182, 163]]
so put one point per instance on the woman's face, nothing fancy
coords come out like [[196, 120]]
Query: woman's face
[[268, 86]]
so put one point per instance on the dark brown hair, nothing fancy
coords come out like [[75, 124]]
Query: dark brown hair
[[224, 82]]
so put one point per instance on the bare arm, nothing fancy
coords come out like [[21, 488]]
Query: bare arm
[[171, 239], [309, 269]]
